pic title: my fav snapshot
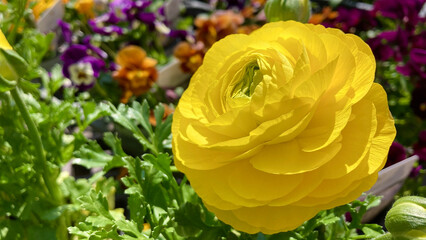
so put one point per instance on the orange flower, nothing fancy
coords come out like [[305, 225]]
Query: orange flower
[[218, 26], [42, 6], [326, 13], [85, 7], [190, 56], [247, 29], [137, 72], [258, 3]]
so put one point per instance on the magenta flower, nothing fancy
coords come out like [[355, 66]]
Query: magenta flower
[[396, 154], [390, 44], [415, 171], [405, 10], [105, 25], [66, 31], [415, 65]]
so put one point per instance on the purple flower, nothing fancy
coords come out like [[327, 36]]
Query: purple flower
[[416, 65], [147, 18], [98, 26], [390, 44], [141, 4], [420, 146], [182, 34], [80, 67], [419, 40], [101, 53], [234, 3], [405, 10], [396, 154], [137, 7], [119, 9], [66, 31], [415, 171]]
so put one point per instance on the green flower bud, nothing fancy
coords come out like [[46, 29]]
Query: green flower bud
[[407, 218], [12, 67], [281, 10]]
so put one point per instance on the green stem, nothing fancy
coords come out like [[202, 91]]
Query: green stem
[[36, 139], [20, 13]]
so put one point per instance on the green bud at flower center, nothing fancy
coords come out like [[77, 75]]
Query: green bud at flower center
[[251, 78]]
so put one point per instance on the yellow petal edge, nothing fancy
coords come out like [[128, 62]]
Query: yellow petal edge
[[280, 124], [4, 44]]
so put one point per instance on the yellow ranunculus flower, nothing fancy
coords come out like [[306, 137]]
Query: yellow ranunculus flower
[[4, 44], [280, 124]]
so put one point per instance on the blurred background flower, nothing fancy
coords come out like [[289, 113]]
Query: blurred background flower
[[81, 67], [136, 72]]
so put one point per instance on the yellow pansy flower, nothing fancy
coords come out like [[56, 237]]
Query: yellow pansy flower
[[85, 7], [42, 6], [280, 124]]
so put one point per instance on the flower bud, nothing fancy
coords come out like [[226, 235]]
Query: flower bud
[[11, 65], [407, 218], [281, 10]]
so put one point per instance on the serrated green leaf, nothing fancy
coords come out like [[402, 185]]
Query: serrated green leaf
[[99, 221], [114, 143], [372, 230], [130, 227], [158, 114], [189, 219], [329, 219], [116, 161], [96, 203], [161, 162], [77, 232], [141, 114], [92, 155]]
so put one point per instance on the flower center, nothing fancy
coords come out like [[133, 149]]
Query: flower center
[[251, 78], [81, 73]]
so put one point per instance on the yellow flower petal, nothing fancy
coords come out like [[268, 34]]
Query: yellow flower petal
[[4, 44]]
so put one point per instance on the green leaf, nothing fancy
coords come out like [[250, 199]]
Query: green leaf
[[141, 114], [54, 213], [372, 230], [92, 155], [158, 114], [137, 209], [96, 203], [99, 221], [114, 163], [114, 143], [161, 162], [6, 85], [130, 227], [45, 233], [30, 87], [189, 219]]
